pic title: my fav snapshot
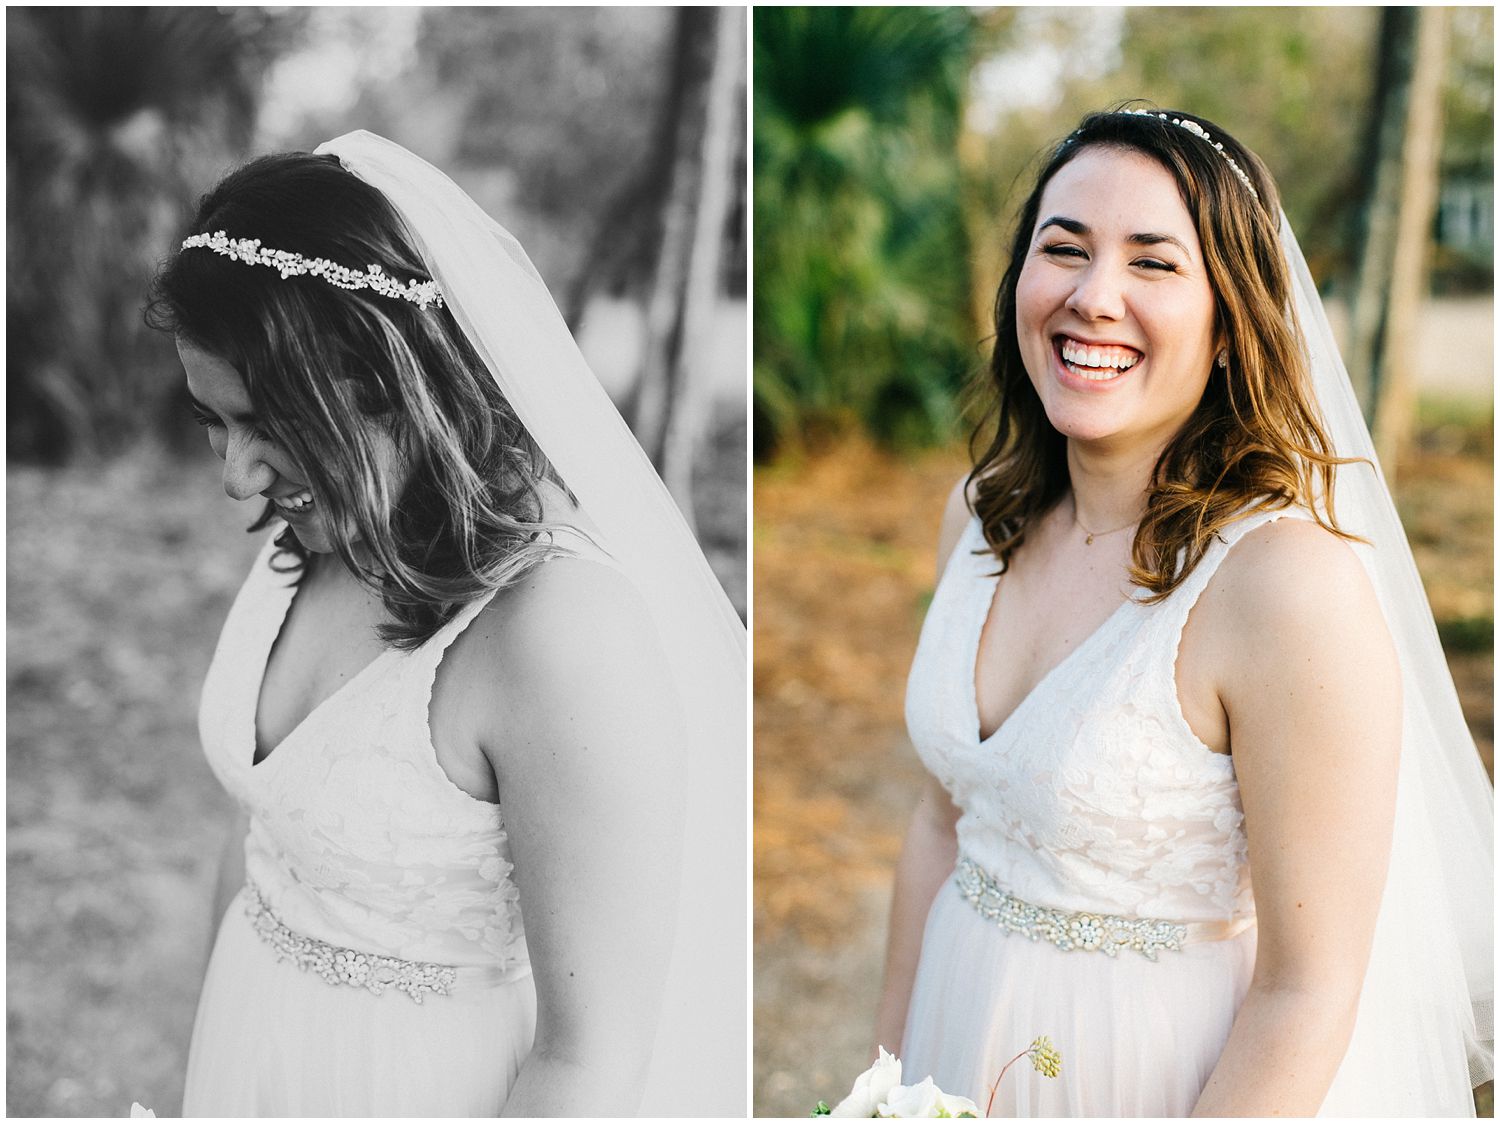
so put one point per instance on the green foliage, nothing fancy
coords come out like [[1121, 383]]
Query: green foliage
[[1296, 85], [1469, 95], [1293, 84], [861, 263], [1467, 634]]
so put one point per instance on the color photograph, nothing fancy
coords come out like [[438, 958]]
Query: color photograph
[[1123, 561]]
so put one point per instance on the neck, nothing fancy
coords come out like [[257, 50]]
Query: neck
[[1109, 485]]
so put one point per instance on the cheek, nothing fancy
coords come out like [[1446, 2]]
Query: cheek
[[1029, 298]]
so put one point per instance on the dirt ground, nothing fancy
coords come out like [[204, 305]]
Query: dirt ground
[[118, 579], [843, 570]]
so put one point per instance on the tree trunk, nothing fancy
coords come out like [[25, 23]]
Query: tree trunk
[[687, 103], [1401, 162], [688, 419], [1396, 402]]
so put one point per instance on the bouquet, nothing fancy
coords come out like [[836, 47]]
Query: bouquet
[[878, 1091]]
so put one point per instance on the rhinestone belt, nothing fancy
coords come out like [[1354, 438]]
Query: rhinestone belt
[[1092, 932], [345, 965]]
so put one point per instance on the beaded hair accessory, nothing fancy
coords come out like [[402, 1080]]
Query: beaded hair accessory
[[1198, 131], [250, 251]]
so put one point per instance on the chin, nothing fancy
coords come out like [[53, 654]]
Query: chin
[[1084, 425], [313, 538]]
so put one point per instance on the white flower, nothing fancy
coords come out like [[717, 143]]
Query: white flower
[[871, 1087], [137, 1111], [926, 1101]]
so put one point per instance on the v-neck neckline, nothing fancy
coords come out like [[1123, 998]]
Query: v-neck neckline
[[257, 760], [989, 588]]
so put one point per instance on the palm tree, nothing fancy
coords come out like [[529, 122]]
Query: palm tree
[[860, 258], [116, 118]]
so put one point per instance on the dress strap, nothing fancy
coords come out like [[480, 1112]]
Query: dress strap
[[575, 542], [1186, 595]]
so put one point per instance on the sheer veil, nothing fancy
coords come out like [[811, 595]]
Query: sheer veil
[[500, 301], [1427, 1003]]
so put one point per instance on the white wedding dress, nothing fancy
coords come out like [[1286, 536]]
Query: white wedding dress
[[375, 964], [1093, 798]]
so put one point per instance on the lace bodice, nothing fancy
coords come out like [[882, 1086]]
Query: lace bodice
[[357, 837], [1094, 795]]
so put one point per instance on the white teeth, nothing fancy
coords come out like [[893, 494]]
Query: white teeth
[[1097, 364], [294, 502]]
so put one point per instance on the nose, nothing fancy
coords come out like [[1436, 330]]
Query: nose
[[246, 474], [1098, 295]]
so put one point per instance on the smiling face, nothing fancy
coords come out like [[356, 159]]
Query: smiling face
[[1115, 316], [254, 464]]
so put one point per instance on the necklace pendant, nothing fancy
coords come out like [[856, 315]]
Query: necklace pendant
[[1088, 540]]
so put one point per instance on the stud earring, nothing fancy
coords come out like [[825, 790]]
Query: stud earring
[[1223, 360]]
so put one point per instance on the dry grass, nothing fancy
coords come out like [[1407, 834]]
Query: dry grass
[[118, 580], [843, 570]]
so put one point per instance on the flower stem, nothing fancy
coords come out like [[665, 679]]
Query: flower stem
[[991, 1102]]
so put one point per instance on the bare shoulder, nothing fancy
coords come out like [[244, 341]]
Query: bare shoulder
[[1292, 603], [956, 515], [567, 604], [1293, 568], [566, 655]]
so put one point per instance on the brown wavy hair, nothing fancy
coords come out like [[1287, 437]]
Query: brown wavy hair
[[329, 369], [1255, 441]]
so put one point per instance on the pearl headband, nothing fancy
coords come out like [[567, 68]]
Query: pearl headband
[[1198, 131], [250, 251]]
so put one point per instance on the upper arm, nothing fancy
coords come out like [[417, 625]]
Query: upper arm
[[955, 519], [586, 739], [1312, 691]]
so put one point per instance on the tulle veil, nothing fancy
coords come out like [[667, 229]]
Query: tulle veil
[[700, 1061]]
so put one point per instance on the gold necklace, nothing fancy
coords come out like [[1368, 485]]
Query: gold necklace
[[1089, 536]]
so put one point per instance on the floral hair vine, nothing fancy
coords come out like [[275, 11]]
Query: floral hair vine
[[1199, 131], [251, 252]]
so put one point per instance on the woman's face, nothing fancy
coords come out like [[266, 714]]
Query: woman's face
[[254, 464], [1114, 310]]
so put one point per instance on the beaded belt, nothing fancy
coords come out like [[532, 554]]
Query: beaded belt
[[1092, 932], [338, 965]]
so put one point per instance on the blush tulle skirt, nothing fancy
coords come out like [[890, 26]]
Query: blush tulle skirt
[[1137, 1037], [273, 1040]]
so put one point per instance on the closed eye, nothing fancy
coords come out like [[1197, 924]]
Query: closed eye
[[1155, 263], [1061, 250], [208, 421]]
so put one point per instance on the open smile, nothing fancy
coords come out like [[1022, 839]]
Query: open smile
[[293, 503], [1094, 362]]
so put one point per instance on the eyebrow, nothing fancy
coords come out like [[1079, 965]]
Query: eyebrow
[[1073, 226], [248, 418]]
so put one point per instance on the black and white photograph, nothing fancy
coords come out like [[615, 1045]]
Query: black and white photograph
[[377, 445]]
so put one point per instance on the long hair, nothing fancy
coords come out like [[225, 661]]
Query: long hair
[[328, 369], [1255, 441]]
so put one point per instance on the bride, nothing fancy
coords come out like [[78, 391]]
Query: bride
[[1202, 806], [480, 700]]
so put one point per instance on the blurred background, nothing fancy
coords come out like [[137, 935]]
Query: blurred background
[[892, 147], [610, 141]]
